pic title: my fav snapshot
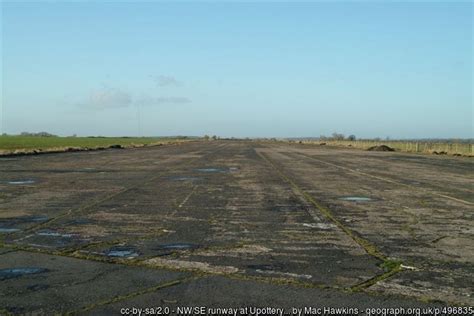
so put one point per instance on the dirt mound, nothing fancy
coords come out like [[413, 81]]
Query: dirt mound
[[380, 148]]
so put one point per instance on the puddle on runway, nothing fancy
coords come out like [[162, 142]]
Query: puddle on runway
[[38, 287], [285, 274], [8, 230], [52, 233], [278, 270], [319, 225], [212, 170], [79, 221], [356, 199], [20, 182], [34, 218], [13, 224], [265, 267], [177, 246], [218, 170], [121, 252], [185, 178], [53, 239], [11, 273]]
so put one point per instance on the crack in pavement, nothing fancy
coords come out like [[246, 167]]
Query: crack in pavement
[[369, 247], [108, 197], [119, 298]]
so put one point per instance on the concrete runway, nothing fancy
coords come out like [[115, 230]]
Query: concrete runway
[[234, 224]]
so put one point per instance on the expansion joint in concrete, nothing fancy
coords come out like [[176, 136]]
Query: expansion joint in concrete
[[393, 267]]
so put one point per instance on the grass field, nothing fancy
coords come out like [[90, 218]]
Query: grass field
[[12, 143]]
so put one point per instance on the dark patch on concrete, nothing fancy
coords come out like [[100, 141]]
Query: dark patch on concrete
[[39, 218], [48, 238], [23, 219], [178, 246], [15, 224], [38, 287], [80, 221], [12, 273], [71, 284]]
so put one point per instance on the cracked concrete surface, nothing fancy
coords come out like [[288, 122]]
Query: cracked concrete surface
[[264, 222]]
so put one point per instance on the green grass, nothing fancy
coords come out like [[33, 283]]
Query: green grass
[[10, 143], [390, 265]]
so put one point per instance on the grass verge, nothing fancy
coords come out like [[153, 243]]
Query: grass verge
[[31, 144]]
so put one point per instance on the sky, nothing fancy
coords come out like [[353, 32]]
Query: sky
[[241, 69]]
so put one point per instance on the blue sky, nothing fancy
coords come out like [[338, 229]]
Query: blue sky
[[242, 69]]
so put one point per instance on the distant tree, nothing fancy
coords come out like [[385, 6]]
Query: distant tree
[[40, 134], [44, 134], [322, 137], [337, 136], [351, 137], [206, 137], [214, 137]]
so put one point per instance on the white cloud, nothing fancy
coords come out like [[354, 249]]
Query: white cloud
[[110, 98], [163, 81], [150, 101], [107, 98]]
